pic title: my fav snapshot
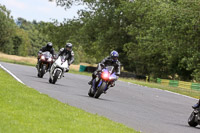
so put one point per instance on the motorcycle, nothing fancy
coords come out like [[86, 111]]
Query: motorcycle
[[45, 59], [194, 118], [58, 68], [102, 82]]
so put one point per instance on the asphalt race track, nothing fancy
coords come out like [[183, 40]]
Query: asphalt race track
[[145, 109]]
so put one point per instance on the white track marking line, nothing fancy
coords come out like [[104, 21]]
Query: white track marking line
[[11, 74]]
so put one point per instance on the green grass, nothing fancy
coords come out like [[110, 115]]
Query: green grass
[[25, 110]]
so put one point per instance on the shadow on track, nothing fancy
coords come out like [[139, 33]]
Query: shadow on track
[[46, 82], [96, 98], [33, 76], [186, 126]]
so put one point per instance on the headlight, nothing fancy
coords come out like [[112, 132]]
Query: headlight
[[50, 59], [112, 78], [42, 57], [105, 75]]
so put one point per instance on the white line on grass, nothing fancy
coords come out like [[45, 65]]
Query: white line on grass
[[11, 74]]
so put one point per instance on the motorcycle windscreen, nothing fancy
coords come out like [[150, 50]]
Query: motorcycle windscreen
[[64, 62]]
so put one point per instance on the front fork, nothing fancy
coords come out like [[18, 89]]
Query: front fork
[[101, 82], [53, 71]]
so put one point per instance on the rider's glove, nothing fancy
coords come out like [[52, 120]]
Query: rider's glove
[[39, 53], [102, 65]]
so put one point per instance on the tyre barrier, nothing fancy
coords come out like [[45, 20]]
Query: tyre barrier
[[131, 75], [82, 68], [87, 69], [180, 84], [91, 69]]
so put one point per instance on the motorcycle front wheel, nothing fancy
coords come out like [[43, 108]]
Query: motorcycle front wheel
[[41, 71], [55, 77], [44, 67], [100, 90]]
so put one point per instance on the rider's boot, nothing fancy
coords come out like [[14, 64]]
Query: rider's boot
[[93, 77], [90, 82], [67, 70], [36, 65], [106, 90], [112, 84]]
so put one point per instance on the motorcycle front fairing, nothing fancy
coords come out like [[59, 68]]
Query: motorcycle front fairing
[[105, 76], [45, 61], [46, 57], [60, 64]]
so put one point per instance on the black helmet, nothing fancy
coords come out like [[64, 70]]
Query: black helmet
[[49, 45], [114, 55], [68, 46]]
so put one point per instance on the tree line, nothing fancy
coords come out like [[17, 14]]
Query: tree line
[[158, 38]]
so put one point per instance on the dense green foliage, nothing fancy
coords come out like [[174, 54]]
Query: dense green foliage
[[159, 38], [6, 28], [154, 37], [20, 37]]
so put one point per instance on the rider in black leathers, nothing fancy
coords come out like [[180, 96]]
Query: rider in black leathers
[[68, 52], [111, 60], [197, 105], [48, 47]]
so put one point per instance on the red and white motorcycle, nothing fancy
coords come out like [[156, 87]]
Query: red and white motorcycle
[[45, 62]]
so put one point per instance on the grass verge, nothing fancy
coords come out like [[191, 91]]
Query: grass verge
[[23, 109]]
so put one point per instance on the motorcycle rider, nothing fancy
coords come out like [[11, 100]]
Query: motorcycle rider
[[111, 60], [48, 47], [68, 52], [197, 105]]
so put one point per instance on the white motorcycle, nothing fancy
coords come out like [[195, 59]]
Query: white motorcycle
[[58, 68]]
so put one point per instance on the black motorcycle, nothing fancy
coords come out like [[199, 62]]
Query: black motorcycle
[[194, 118]]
